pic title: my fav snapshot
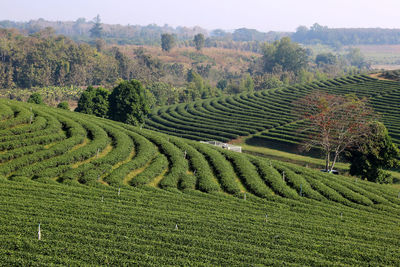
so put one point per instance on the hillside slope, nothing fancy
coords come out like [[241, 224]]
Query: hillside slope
[[268, 113], [108, 193]]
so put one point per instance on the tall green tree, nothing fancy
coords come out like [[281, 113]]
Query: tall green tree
[[375, 153], [284, 55], [94, 101], [167, 42], [199, 41], [326, 58], [97, 30], [35, 98], [129, 103]]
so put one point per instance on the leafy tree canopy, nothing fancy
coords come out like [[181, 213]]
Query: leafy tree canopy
[[94, 101], [167, 42], [96, 31], [376, 152], [325, 58], [63, 105], [199, 41], [129, 103], [35, 98], [285, 55]]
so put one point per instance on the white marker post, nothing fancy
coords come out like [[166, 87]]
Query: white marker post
[[283, 176], [119, 191], [176, 226], [102, 199], [184, 155], [244, 196], [39, 233], [266, 217]]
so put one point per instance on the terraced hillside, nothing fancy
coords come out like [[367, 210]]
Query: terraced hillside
[[108, 193], [268, 113]]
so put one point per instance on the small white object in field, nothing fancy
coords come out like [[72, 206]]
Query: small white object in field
[[39, 233]]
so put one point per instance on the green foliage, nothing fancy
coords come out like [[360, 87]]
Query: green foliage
[[94, 162], [94, 101], [167, 42], [338, 37], [375, 153], [356, 58], [247, 84], [199, 41], [96, 31], [326, 58], [35, 98], [128, 103], [63, 105], [45, 59], [164, 93], [285, 55], [222, 84]]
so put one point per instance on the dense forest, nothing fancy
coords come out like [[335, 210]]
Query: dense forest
[[337, 37], [45, 58], [243, 38], [80, 30]]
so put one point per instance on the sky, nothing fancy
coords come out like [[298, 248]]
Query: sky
[[263, 15]]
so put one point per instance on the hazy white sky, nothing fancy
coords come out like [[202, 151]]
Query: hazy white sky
[[263, 15]]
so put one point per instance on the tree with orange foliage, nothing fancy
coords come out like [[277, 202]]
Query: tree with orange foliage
[[333, 123]]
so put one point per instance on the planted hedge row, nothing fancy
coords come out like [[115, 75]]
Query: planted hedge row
[[199, 166]]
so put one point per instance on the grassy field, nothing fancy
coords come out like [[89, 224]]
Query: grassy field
[[96, 226], [106, 193]]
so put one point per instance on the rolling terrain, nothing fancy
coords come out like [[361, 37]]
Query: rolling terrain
[[109, 193], [268, 114]]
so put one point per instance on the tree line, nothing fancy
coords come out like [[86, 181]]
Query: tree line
[[45, 59], [345, 36], [242, 38]]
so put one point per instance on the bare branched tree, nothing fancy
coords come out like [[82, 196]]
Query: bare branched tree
[[333, 123]]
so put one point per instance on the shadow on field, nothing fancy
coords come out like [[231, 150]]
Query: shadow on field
[[289, 148]]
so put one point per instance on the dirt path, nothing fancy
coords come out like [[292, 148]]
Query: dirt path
[[377, 76]]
